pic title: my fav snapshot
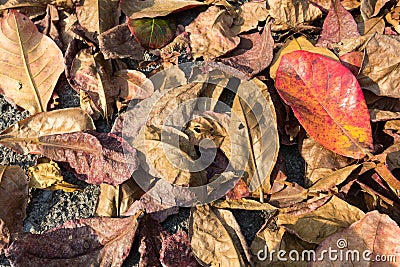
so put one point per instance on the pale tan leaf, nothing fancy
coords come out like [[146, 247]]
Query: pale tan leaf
[[250, 14], [30, 63], [133, 84]]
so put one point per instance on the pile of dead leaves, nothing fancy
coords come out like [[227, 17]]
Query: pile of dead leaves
[[329, 77]]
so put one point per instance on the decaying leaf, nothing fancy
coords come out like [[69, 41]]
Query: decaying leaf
[[91, 242], [371, 8], [23, 136], [250, 14], [246, 56], [300, 43], [290, 13], [31, 63], [380, 70], [153, 33], [137, 9], [375, 233], [47, 175], [216, 239], [338, 25], [340, 110], [352, 61], [4, 236], [211, 34], [13, 197], [133, 84]]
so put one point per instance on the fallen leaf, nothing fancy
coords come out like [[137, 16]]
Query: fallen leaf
[[374, 235], [215, 238], [339, 24], [300, 43], [352, 61], [306, 72], [92, 75], [133, 84], [290, 13], [240, 190], [47, 175], [176, 251], [250, 14], [246, 56], [31, 73], [383, 115], [380, 67], [20, 137], [205, 132], [371, 8], [4, 237], [94, 241], [137, 9], [119, 43], [242, 204], [13, 197], [348, 4], [153, 33], [371, 26], [211, 34]]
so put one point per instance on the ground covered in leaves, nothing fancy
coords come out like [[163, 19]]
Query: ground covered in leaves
[[199, 133]]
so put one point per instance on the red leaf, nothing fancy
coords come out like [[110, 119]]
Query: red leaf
[[327, 100], [338, 25], [353, 61], [239, 191]]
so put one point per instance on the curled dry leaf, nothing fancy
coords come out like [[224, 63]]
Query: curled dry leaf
[[31, 73], [290, 13], [13, 197], [137, 9], [211, 34], [371, 8], [246, 56], [300, 43], [23, 136], [201, 128], [352, 61], [348, 4], [340, 110], [98, 157], [85, 242], [47, 175], [243, 204], [250, 14], [338, 25], [153, 33], [118, 42], [133, 84], [380, 70], [216, 238], [375, 232], [98, 16]]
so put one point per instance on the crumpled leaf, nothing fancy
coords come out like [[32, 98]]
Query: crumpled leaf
[[133, 84], [216, 238], [290, 13], [153, 33], [246, 56], [211, 34], [92, 75], [119, 43], [371, 8], [136, 9], [315, 226], [13, 197], [31, 73], [84, 242], [242, 204], [47, 175], [328, 116], [116, 200], [98, 16], [250, 14], [176, 251], [338, 25], [300, 43], [348, 4], [20, 136], [375, 232], [380, 70]]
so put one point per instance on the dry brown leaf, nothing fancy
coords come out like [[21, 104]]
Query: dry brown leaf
[[315, 226], [31, 73], [290, 13], [374, 235], [216, 238], [201, 128], [98, 16], [380, 70], [13, 197], [133, 84], [211, 34], [4, 237], [300, 43], [371, 26], [136, 9], [371, 8], [20, 137], [242, 204], [250, 14], [383, 115], [47, 175]]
